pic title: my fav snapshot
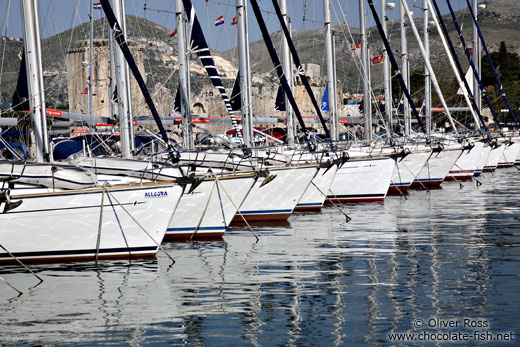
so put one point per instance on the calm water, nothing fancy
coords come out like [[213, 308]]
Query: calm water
[[448, 254]]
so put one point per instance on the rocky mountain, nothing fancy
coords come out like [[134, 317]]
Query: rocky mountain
[[499, 21]]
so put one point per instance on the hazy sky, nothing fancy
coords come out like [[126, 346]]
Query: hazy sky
[[59, 15]]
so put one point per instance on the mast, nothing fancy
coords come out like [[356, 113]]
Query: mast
[[404, 69], [367, 99], [427, 79], [331, 83], [287, 68], [387, 82], [457, 69], [32, 46], [393, 62], [128, 89], [497, 78], [187, 127], [428, 66], [121, 82], [245, 86], [476, 57], [91, 61]]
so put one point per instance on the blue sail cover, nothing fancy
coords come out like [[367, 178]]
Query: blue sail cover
[[279, 103], [20, 100], [236, 100], [325, 100]]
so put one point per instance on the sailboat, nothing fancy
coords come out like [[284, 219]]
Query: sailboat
[[100, 222]]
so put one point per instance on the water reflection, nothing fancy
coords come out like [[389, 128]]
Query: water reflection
[[449, 253]]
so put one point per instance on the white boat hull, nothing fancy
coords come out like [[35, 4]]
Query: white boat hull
[[436, 168], [276, 200], [464, 168], [314, 196], [362, 180], [64, 226], [494, 158], [406, 170], [509, 156], [207, 210]]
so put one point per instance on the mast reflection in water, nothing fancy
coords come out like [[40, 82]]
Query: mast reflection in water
[[450, 253]]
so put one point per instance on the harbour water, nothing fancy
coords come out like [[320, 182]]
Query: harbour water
[[402, 266]]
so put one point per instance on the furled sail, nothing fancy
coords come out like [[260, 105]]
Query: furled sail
[[198, 44], [277, 64], [20, 101], [300, 68], [393, 62], [123, 45]]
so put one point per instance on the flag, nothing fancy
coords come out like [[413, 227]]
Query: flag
[[378, 59], [174, 32], [357, 45], [325, 100], [219, 21], [97, 6], [85, 91], [235, 21]]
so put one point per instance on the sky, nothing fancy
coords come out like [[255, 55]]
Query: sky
[[59, 15]]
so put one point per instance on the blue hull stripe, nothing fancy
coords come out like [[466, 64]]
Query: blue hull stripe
[[428, 179], [265, 211], [309, 204], [80, 252], [400, 184], [333, 197], [193, 229]]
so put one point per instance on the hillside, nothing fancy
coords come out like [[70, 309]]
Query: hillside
[[499, 22]]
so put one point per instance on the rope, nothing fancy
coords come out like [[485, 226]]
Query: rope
[[98, 243], [10, 285], [19, 262], [238, 210], [139, 224], [340, 209], [203, 211]]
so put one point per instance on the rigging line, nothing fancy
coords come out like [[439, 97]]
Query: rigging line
[[355, 58]]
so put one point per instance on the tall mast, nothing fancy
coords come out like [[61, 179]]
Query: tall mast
[[121, 82], [129, 85], [91, 60], [457, 70], [245, 86], [476, 58], [331, 83], [427, 80], [184, 90], [32, 46], [387, 83], [367, 99], [404, 69], [428, 65], [287, 69]]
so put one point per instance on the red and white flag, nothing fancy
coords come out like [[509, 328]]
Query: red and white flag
[[378, 59], [173, 33], [235, 21], [219, 21]]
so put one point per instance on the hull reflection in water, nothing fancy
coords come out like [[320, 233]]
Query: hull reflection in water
[[447, 253]]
